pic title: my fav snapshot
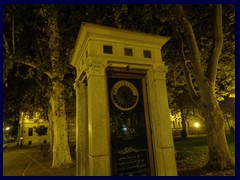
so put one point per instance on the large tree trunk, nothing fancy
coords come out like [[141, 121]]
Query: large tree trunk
[[61, 152], [219, 154]]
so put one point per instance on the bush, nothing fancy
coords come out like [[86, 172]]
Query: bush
[[41, 130]]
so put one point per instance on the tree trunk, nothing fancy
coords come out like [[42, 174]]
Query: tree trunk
[[184, 132], [50, 133], [61, 152], [227, 118], [219, 154]]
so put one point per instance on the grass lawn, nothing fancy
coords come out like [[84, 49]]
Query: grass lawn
[[192, 155]]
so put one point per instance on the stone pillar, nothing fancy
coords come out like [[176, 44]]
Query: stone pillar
[[163, 147], [98, 121], [81, 128]]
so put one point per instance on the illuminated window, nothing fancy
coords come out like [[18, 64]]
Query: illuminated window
[[147, 54], [107, 49], [30, 131]]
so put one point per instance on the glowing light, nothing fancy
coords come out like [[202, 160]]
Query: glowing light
[[7, 128], [124, 129], [196, 124]]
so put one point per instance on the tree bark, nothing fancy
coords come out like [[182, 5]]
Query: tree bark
[[184, 132], [50, 132], [219, 154], [61, 152]]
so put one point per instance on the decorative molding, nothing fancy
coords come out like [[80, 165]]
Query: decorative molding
[[159, 72], [80, 88], [76, 84], [95, 68]]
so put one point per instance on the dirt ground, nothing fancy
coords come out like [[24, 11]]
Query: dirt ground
[[42, 167], [201, 172]]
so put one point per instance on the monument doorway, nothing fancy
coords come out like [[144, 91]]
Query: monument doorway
[[131, 145]]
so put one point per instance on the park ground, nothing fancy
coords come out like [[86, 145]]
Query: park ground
[[191, 155]]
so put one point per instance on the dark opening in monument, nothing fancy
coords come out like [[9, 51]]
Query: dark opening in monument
[[147, 54], [129, 139], [128, 52], [107, 49]]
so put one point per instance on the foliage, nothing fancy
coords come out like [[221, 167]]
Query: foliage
[[41, 130], [46, 66], [24, 94], [202, 28], [27, 60], [29, 21]]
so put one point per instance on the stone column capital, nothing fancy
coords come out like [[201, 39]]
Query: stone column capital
[[76, 84], [159, 72], [95, 68]]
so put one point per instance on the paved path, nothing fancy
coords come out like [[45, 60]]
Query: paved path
[[16, 162]]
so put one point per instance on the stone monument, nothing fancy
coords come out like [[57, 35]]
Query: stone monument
[[122, 115]]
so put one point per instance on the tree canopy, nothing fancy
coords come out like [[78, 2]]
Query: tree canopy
[[26, 23]]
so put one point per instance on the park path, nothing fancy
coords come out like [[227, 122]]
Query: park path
[[16, 162], [31, 162]]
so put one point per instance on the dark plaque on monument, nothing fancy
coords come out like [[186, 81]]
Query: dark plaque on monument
[[129, 142]]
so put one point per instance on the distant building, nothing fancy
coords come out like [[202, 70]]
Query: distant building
[[195, 124], [27, 134]]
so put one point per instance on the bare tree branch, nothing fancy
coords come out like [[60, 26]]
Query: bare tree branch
[[189, 82], [217, 44], [189, 34], [30, 64], [6, 46], [13, 36]]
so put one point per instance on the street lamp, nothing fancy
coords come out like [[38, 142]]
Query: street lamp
[[197, 125], [7, 135]]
